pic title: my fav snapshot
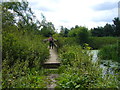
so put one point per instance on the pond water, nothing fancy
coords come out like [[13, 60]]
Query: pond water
[[95, 55], [108, 66]]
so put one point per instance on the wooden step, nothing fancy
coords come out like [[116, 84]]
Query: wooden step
[[51, 65]]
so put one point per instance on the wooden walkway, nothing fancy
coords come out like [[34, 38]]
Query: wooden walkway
[[52, 62]]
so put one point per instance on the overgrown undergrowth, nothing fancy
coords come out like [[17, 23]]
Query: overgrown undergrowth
[[78, 70], [23, 55]]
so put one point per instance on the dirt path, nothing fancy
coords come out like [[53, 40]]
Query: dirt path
[[52, 84]]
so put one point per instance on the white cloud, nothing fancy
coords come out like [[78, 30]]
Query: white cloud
[[69, 13]]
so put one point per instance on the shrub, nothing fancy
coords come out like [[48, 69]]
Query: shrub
[[23, 51], [24, 47], [21, 76], [66, 41], [81, 34]]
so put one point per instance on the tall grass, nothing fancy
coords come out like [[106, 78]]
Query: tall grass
[[110, 52], [99, 42]]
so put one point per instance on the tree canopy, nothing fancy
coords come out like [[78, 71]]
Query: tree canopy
[[108, 29]]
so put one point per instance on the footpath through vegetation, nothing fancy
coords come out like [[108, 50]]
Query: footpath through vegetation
[[52, 64], [28, 63]]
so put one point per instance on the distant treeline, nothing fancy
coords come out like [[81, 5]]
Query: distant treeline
[[107, 30]]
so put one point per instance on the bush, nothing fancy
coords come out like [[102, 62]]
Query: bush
[[23, 55], [81, 34], [24, 47], [66, 41], [21, 76]]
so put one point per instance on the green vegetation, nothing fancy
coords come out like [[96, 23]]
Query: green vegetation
[[108, 29], [66, 41], [20, 76], [78, 71], [80, 33], [99, 42], [110, 52], [24, 47], [24, 51], [0, 79]]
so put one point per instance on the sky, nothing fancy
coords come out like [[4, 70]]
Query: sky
[[68, 13]]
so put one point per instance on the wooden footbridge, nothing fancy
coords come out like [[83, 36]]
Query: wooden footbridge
[[53, 61]]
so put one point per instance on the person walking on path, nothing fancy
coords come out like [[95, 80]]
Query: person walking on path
[[51, 42]]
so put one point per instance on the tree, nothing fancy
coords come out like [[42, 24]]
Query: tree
[[108, 30], [48, 29], [80, 33], [116, 22], [64, 31], [7, 17], [21, 14], [83, 35], [73, 32], [99, 32]]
